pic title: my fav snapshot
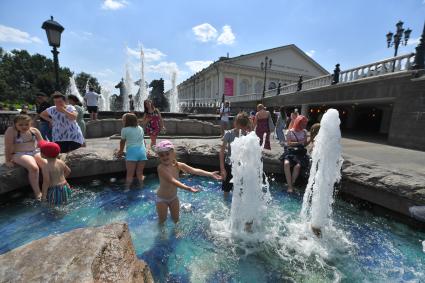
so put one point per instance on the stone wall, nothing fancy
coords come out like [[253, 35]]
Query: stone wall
[[174, 126], [101, 254]]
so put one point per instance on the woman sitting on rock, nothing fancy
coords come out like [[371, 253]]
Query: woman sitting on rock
[[295, 155], [21, 148]]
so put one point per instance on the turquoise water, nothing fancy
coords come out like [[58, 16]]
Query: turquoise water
[[360, 248]]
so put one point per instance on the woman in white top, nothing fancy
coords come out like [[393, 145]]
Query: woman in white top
[[65, 130]]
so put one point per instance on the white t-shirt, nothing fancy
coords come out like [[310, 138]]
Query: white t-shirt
[[225, 112], [63, 128], [91, 98]]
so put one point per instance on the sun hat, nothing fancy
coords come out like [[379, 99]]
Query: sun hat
[[164, 146], [49, 149]]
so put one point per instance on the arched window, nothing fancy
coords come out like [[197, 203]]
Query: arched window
[[272, 85], [244, 87], [259, 87]]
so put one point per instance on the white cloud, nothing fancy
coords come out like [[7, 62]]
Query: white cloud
[[114, 4], [151, 54], [310, 53], [104, 73], [205, 32], [85, 35], [227, 36], [196, 66], [414, 41], [9, 34], [163, 68]]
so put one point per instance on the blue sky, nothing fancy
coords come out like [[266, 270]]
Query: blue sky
[[100, 37]]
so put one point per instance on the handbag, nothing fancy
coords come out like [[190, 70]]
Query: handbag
[[271, 124]]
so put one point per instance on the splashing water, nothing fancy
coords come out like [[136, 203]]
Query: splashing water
[[250, 193], [325, 172], [72, 89], [174, 100], [101, 102], [107, 99], [128, 87], [142, 94]]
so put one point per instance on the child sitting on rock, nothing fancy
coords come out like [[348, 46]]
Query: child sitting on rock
[[242, 124], [168, 173], [56, 189]]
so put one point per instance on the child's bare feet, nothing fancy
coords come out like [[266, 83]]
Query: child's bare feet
[[38, 197], [290, 189]]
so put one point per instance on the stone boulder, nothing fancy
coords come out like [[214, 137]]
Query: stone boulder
[[102, 254]]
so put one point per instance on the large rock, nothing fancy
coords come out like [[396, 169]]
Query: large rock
[[102, 254]]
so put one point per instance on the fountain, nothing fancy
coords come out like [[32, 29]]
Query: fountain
[[174, 99], [72, 89], [128, 86], [250, 193], [107, 99], [101, 102], [325, 172], [142, 94]]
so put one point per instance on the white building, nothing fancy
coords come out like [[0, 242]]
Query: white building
[[242, 75]]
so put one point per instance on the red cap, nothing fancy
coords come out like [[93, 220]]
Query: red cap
[[49, 149]]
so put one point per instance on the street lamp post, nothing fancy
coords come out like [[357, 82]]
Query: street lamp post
[[397, 38], [53, 30], [267, 64]]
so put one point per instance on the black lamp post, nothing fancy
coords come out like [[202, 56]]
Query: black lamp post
[[397, 38], [266, 65], [53, 30]]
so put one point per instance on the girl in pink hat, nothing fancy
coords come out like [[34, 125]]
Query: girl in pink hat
[[168, 173]]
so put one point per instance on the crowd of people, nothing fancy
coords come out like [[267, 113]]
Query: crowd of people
[[61, 129]]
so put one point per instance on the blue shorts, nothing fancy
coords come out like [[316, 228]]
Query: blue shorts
[[136, 153]]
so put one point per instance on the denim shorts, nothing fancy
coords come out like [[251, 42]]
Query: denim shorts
[[136, 153]]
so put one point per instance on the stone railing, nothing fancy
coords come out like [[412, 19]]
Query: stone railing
[[392, 65], [245, 97]]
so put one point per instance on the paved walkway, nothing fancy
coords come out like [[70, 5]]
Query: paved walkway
[[390, 157]]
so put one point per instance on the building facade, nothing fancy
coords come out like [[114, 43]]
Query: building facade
[[242, 75]]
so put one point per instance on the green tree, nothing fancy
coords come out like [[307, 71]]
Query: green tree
[[157, 95], [81, 82], [23, 75]]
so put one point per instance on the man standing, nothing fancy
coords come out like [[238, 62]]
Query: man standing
[[91, 98], [224, 117], [42, 103]]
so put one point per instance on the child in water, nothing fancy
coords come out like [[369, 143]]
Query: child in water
[[168, 173], [56, 189], [132, 136], [242, 124]]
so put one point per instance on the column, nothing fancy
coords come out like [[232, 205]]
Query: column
[[385, 120], [220, 85], [252, 84], [237, 84]]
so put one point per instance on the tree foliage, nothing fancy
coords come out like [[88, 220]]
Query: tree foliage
[[157, 95], [81, 82], [22, 75]]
